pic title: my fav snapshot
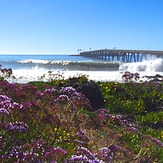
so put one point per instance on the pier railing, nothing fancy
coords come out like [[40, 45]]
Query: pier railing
[[121, 55]]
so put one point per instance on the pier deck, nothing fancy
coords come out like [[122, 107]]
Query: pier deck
[[121, 55]]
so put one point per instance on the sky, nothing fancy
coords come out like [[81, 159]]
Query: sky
[[64, 26]]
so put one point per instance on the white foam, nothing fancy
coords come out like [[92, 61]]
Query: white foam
[[43, 61], [150, 67], [155, 65], [26, 75], [34, 61]]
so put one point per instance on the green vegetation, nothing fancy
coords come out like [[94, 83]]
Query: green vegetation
[[77, 120]]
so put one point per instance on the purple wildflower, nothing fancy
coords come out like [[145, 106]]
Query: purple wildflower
[[118, 118], [83, 159], [4, 111], [68, 91], [125, 122], [110, 117], [3, 157], [102, 114], [130, 129], [22, 106], [16, 152], [17, 127], [50, 90], [38, 143], [85, 156], [106, 154], [6, 104], [54, 153], [25, 105], [61, 99], [28, 87], [154, 140], [79, 96], [4, 98], [79, 142], [86, 152], [71, 92], [39, 95], [114, 148], [82, 135], [77, 159], [15, 105]]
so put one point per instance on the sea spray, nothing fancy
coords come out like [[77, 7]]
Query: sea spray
[[36, 67], [155, 65]]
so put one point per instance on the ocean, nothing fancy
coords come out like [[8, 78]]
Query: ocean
[[40, 67]]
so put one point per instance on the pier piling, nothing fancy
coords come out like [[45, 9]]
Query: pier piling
[[121, 55]]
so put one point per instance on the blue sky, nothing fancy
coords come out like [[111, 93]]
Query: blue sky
[[64, 26]]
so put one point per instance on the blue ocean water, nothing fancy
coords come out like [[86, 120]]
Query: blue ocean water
[[56, 62], [34, 67]]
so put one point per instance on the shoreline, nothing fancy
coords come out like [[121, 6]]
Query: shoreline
[[26, 75]]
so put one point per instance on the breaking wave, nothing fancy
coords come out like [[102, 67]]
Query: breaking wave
[[155, 65], [70, 65]]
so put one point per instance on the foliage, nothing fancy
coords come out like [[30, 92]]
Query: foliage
[[55, 122], [132, 98]]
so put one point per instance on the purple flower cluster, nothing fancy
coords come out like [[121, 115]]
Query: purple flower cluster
[[106, 154], [16, 152], [4, 98], [61, 99], [5, 102], [86, 152], [46, 93], [5, 105], [103, 115], [154, 140], [50, 91], [27, 87], [85, 156], [54, 152], [82, 159], [23, 106], [4, 111], [82, 135], [17, 127], [70, 91], [39, 95], [115, 148], [131, 129]]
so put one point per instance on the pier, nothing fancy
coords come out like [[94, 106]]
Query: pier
[[121, 55]]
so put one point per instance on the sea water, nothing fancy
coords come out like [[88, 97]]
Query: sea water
[[40, 67]]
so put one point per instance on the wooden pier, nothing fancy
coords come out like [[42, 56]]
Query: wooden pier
[[121, 55]]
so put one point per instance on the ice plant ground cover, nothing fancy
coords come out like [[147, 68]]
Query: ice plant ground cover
[[57, 121]]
